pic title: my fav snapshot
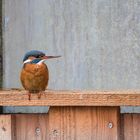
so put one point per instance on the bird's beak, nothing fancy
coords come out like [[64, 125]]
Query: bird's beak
[[49, 57]]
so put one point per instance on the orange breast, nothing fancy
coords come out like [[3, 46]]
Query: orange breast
[[34, 77]]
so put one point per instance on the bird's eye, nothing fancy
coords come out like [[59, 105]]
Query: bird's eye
[[38, 56]]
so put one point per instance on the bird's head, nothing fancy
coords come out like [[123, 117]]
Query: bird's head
[[36, 57]]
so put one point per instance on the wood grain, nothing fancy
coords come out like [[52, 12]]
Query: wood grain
[[29, 127], [131, 126], [70, 98], [84, 123], [69, 123], [5, 127]]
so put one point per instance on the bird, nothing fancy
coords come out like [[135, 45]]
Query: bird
[[35, 74]]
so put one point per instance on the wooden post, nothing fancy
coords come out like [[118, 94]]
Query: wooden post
[[5, 127], [131, 126]]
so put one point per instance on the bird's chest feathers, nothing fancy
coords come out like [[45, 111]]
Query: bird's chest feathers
[[36, 69]]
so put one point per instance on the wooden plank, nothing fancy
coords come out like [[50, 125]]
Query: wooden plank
[[108, 119], [84, 123], [29, 127], [131, 126], [63, 123], [70, 98], [56, 123], [5, 127]]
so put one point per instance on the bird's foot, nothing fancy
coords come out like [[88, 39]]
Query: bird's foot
[[29, 96], [39, 95]]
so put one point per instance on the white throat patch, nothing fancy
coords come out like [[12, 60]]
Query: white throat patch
[[26, 61], [41, 61]]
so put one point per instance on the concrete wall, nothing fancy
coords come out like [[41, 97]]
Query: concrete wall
[[99, 41]]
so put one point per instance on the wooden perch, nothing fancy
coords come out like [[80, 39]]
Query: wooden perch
[[70, 98]]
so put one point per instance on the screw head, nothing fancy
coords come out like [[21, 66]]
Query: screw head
[[37, 131], [110, 125]]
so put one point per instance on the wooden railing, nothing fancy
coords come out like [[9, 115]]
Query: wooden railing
[[70, 98], [73, 115]]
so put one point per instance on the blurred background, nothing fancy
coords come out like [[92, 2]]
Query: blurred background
[[99, 41]]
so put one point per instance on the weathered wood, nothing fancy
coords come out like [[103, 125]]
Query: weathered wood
[[5, 127], [70, 98], [63, 123], [131, 126], [84, 123], [30, 127], [69, 123]]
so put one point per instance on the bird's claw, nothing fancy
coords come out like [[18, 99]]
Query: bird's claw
[[39, 95], [29, 96]]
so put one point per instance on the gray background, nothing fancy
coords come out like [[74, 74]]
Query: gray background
[[99, 41]]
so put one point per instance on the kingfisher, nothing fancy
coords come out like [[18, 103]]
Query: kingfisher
[[35, 74]]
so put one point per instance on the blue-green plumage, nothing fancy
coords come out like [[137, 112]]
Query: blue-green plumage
[[35, 61], [34, 53], [35, 75]]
